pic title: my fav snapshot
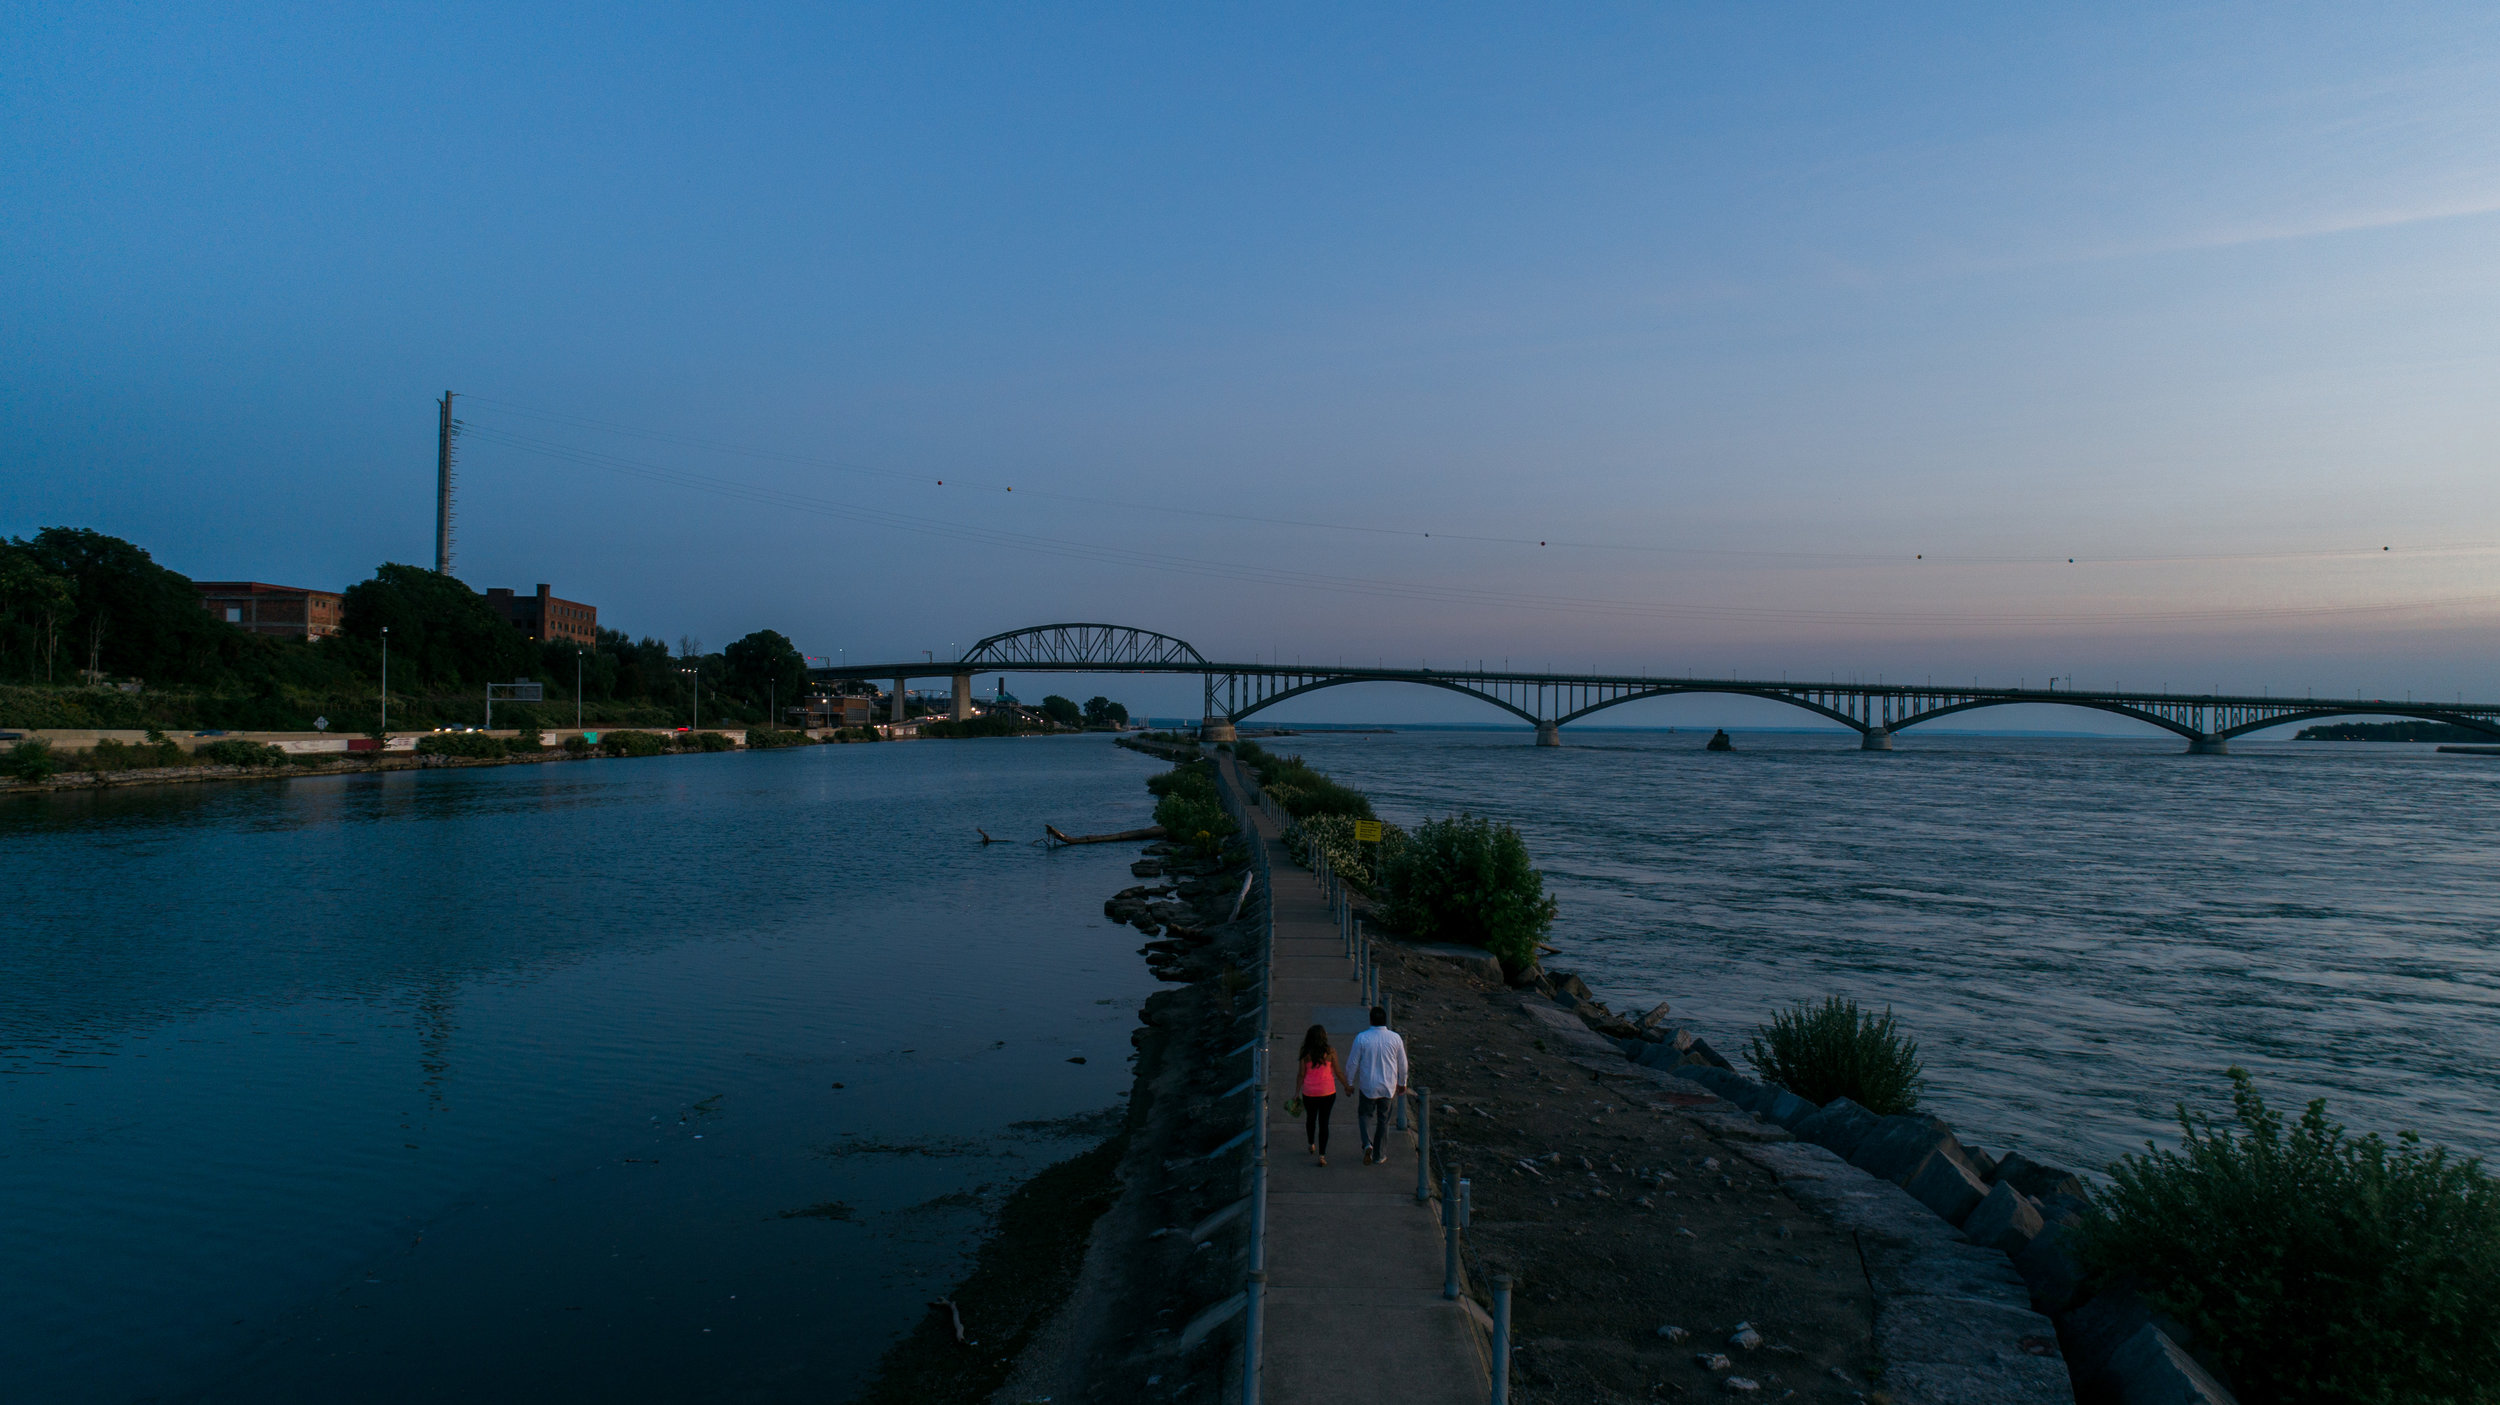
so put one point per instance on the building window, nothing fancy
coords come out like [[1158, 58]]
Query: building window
[[234, 614]]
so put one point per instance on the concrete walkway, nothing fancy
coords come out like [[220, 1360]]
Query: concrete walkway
[[1354, 1305]]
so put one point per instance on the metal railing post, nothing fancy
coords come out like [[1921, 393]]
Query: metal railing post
[[1451, 1210], [1501, 1339], [1253, 1321], [1423, 1146]]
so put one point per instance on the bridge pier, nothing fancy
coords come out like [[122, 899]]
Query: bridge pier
[[1216, 727], [963, 698], [2209, 746], [895, 713], [1875, 739], [1549, 734]]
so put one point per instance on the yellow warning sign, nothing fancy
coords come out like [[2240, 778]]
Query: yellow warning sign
[[1367, 831]]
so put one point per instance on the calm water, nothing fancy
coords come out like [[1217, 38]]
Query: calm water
[[498, 1083], [2080, 933]]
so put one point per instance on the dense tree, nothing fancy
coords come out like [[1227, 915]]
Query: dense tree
[[1103, 712], [35, 605], [763, 668], [1063, 711], [443, 634], [127, 616]]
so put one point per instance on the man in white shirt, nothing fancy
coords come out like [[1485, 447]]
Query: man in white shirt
[[1376, 1066]]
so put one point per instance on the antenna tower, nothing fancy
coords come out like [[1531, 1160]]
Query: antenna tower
[[444, 456]]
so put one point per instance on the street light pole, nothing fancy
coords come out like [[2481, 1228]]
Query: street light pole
[[386, 685], [577, 690]]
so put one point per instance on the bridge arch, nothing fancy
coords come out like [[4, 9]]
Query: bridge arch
[[1337, 682], [1079, 645], [1769, 694], [2119, 709], [2418, 713]]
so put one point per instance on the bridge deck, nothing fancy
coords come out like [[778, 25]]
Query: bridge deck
[[1354, 1305]]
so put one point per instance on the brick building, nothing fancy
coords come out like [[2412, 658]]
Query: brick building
[[545, 618], [282, 610]]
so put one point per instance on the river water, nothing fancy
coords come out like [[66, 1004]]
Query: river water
[[2080, 933], [503, 1083]]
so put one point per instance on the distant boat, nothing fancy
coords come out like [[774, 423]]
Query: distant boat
[[1719, 741]]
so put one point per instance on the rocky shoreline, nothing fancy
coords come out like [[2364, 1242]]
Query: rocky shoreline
[[1675, 1227], [1143, 1312]]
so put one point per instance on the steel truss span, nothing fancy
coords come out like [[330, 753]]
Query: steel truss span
[[1236, 691]]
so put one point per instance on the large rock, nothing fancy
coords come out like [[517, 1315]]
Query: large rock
[[2035, 1180], [1663, 1055], [1567, 983], [1731, 1085], [1945, 1186], [1788, 1110], [1656, 1016], [1473, 959], [2049, 1267], [2006, 1220], [2151, 1369], [1901, 1145], [1838, 1128]]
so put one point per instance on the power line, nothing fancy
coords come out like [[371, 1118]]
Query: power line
[[1418, 533], [1342, 585]]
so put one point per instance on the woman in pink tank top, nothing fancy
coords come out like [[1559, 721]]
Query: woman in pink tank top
[[1322, 1075]]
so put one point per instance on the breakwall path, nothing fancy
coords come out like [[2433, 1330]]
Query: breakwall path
[[1354, 1265]]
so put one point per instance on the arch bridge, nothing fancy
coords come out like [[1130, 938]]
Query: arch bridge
[[1547, 701]]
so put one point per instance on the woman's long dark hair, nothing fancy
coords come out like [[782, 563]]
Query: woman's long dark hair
[[1315, 1048]]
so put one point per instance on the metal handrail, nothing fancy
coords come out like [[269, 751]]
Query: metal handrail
[[1254, 1278]]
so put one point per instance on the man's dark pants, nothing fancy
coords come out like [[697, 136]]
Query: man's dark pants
[[1371, 1119]]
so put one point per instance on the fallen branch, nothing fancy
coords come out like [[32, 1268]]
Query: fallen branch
[[1152, 831]]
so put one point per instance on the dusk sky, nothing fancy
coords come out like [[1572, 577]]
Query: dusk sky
[[1699, 339]]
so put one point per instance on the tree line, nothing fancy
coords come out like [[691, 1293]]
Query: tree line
[[84, 615]]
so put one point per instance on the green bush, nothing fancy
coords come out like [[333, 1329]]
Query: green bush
[[1191, 820], [1465, 879], [29, 760], [1836, 1050], [576, 746], [530, 738], [705, 741], [235, 751], [2312, 1266], [1194, 780], [766, 739], [110, 755], [633, 743], [1300, 791], [476, 745], [1333, 835]]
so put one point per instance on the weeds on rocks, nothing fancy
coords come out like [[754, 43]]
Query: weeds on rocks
[[2311, 1265], [1836, 1050]]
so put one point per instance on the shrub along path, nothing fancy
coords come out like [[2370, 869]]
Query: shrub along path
[[1354, 1305]]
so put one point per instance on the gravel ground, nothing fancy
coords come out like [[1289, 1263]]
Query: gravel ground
[[1622, 1215]]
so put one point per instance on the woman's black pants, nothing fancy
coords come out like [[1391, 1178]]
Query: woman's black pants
[[1315, 1120]]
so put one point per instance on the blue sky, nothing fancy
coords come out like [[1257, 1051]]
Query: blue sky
[[1812, 340]]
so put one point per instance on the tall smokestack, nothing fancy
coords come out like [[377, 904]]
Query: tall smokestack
[[442, 486]]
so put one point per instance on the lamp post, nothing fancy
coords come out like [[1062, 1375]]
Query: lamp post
[[577, 690], [697, 676], [385, 728]]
